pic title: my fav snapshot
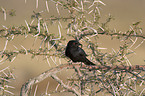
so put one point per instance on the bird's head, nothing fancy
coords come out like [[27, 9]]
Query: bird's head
[[74, 43]]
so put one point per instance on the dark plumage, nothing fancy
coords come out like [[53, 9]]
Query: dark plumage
[[75, 53]]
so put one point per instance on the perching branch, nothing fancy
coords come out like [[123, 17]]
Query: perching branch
[[52, 73]]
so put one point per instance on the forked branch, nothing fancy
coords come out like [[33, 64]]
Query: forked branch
[[52, 73]]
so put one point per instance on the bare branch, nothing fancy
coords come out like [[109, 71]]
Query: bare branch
[[51, 72], [25, 87]]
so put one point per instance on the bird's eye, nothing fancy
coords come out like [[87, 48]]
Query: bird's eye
[[74, 43]]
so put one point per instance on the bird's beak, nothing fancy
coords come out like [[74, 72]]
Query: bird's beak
[[80, 45]]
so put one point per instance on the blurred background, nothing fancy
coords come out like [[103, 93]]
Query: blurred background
[[125, 13]]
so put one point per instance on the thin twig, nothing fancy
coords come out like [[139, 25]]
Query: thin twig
[[70, 89]]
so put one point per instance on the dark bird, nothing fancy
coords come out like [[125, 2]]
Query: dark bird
[[76, 53]]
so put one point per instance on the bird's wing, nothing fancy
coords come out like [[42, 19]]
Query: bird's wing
[[82, 52]]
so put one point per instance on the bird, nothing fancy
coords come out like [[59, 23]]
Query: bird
[[76, 53]]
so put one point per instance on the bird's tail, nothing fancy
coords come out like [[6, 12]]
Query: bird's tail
[[88, 62]]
